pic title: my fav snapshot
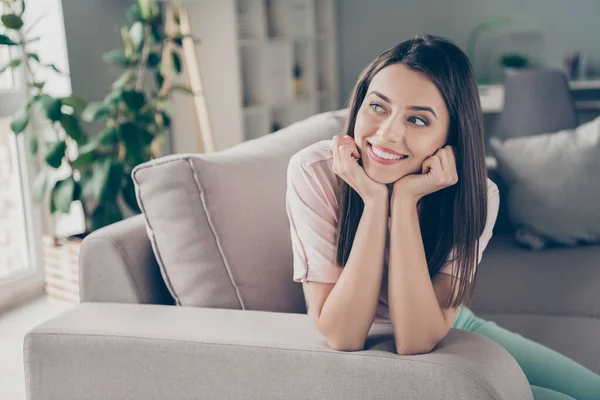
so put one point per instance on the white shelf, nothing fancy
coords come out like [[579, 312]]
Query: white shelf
[[287, 34], [246, 60], [251, 21], [291, 18]]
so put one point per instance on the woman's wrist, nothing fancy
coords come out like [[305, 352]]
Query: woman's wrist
[[377, 200], [400, 200]]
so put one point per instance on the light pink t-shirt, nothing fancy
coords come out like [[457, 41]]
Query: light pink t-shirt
[[312, 205]]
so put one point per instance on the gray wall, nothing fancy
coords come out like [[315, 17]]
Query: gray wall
[[91, 29], [546, 29]]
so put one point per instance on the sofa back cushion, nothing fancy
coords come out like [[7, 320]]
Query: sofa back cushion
[[217, 221]]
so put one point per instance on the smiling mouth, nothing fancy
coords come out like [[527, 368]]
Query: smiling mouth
[[384, 157]]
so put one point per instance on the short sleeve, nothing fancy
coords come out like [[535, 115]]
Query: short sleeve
[[311, 208], [486, 236]]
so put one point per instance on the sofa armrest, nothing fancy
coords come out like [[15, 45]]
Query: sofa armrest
[[117, 265], [111, 351]]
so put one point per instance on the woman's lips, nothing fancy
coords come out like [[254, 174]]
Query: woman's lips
[[382, 160]]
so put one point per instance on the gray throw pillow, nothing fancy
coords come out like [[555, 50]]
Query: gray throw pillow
[[217, 221], [553, 184]]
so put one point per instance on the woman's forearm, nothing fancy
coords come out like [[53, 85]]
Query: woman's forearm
[[417, 319], [349, 310]]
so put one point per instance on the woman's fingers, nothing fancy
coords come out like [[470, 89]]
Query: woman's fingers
[[442, 154], [448, 160], [443, 164]]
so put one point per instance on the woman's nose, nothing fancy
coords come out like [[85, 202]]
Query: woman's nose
[[391, 131]]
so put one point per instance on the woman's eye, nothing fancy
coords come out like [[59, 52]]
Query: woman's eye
[[376, 107], [418, 121]]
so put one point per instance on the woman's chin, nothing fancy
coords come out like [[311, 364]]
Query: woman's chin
[[384, 180]]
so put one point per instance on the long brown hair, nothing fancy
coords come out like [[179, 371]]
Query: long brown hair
[[452, 219]]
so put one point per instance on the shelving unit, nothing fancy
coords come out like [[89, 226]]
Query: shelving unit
[[287, 61], [247, 55]]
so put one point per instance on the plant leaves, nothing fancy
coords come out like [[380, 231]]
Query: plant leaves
[[56, 153], [19, 124], [134, 100], [86, 181], [183, 88], [84, 159], [136, 33], [77, 192], [12, 21], [72, 128], [148, 9], [55, 68], [112, 98], [113, 185], [108, 175], [159, 79], [135, 141], [95, 111], [39, 85], [119, 83], [62, 194], [34, 56], [158, 33], [12, 64], [108, 136], [104, 215], [129, 195], [52, 107], [5, 40], [133, 13], [76, 102], [176, 62], [33, 145], [39, 186], [166, 119], [32, 101], [116, 57], [153, 60]]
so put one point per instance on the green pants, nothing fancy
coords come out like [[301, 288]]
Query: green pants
[[551, 375]]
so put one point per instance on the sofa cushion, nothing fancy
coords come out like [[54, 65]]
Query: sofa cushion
[[553, 187], [555, 281], [217, 222]]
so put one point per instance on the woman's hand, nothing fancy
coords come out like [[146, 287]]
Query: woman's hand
[[345, 165], [438, 172]]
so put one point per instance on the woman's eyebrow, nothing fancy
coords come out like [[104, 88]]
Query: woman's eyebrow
[[383, 96], [423, 108], [415, 108]]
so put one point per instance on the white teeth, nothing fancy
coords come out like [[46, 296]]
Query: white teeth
[[385, 155]]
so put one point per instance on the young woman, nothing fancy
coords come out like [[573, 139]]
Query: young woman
[[389, 221]]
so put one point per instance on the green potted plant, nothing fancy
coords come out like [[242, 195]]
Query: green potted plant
[[95, 170], [513, 62]]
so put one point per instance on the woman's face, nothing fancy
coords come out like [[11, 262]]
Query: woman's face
[[402, 121]]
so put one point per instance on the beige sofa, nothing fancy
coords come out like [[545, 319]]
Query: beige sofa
[[244, 334]]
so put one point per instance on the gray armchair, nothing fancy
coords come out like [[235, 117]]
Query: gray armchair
[[127, 340]]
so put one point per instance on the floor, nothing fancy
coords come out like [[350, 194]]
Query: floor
[[14, 324]]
